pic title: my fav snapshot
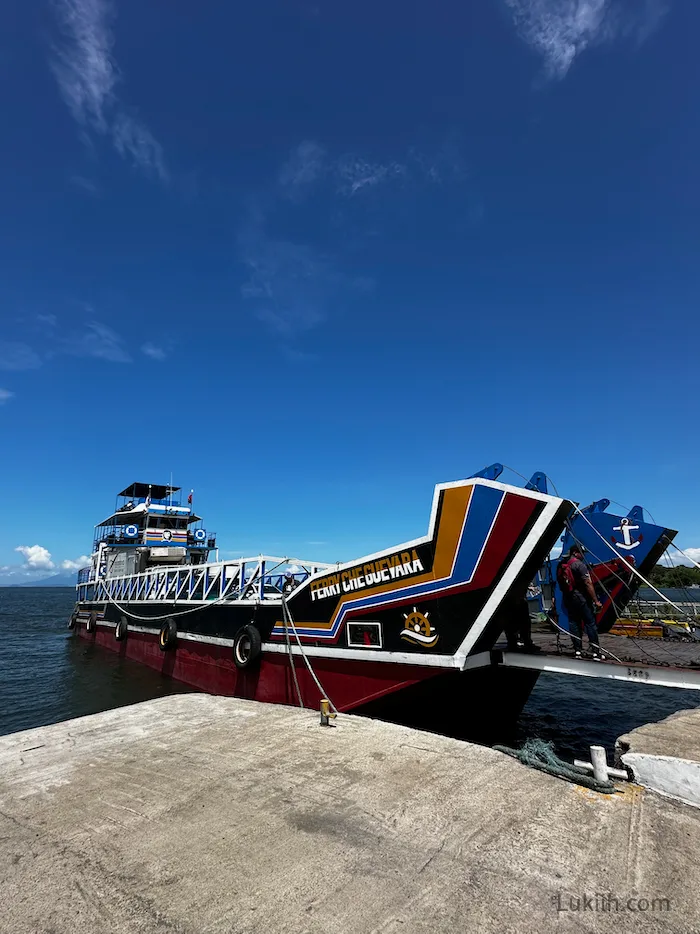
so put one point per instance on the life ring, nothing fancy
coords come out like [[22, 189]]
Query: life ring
[[199, 535], [121, 629], [247, 646], [91, 624], [131, 531], [167, 535], [168, 635]]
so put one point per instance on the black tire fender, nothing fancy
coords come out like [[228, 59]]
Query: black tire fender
[[168, 635], [91, 624], [247, 646], [73, 621], [121, 629]]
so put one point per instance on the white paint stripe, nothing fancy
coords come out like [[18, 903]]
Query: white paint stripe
[[499, 592], [367, 655], [639, 674], [480, 660], [187, 636]]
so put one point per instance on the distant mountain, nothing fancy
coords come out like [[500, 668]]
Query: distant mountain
[[58, 580]]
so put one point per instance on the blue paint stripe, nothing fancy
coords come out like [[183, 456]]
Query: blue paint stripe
[[482, 511], [484, 505]]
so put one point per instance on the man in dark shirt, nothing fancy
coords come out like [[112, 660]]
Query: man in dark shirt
[[580, 602]]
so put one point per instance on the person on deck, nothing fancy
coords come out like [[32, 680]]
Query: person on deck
[[518, 628], [289, 584], [580, 601]]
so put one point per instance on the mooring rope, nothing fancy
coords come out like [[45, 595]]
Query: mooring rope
[[285, 614], [323, 694], [540, 755]]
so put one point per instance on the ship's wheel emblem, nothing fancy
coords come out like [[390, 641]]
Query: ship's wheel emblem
[[417, 629], [626, 528]]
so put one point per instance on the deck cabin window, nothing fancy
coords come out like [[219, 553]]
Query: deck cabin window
[[168, 522]]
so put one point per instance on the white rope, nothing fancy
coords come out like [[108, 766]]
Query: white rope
[[303, 655], [285, 614], [628, 565]]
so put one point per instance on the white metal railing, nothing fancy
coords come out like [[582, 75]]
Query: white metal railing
[[242, 579]]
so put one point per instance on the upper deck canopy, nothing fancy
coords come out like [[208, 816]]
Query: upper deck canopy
[[140, 513], [155, 490]]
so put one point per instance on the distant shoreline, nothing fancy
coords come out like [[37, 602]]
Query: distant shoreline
[[36, 587]]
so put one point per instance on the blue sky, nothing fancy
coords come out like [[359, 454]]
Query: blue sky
[[313, 258]]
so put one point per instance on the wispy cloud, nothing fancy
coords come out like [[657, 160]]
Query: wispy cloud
[[560, 30], [307, 163], [293, 286], [96, 340], [153, 351], [91, 339], [134, 141], [47, 320], [310, 166], [354, 173], [87, 74], [17, 356], [5, 396], [85, 184], [289, 282]]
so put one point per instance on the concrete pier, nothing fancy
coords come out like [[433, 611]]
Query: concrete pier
[[199, 815], [665, 756]]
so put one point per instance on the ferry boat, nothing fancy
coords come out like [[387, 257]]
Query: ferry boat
[[402, 633]]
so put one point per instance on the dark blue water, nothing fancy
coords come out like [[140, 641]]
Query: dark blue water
[[48, 675]]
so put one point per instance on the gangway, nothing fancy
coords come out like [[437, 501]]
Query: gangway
[[663, 663]]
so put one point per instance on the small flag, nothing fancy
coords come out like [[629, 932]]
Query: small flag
[[189, 498]]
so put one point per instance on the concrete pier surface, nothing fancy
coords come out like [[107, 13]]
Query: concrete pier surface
[[665, 756], [198, 814]]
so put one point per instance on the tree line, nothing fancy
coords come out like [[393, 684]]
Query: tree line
[[679, 576]]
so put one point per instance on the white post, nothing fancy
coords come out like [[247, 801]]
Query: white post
[[599, 759]]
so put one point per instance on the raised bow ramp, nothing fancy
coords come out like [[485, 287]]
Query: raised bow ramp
[[432, 600]]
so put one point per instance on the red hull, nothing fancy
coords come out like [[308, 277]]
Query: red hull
[[210, 668]]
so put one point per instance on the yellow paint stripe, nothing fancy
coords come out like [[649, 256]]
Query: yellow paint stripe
[[455, 503]]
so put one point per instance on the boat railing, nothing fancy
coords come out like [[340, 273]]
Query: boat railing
[[656, 609], [255, 579]]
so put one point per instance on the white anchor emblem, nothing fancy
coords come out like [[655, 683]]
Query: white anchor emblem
[[626, 528]]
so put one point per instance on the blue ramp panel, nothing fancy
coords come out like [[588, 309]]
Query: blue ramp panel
[[609, 541]]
